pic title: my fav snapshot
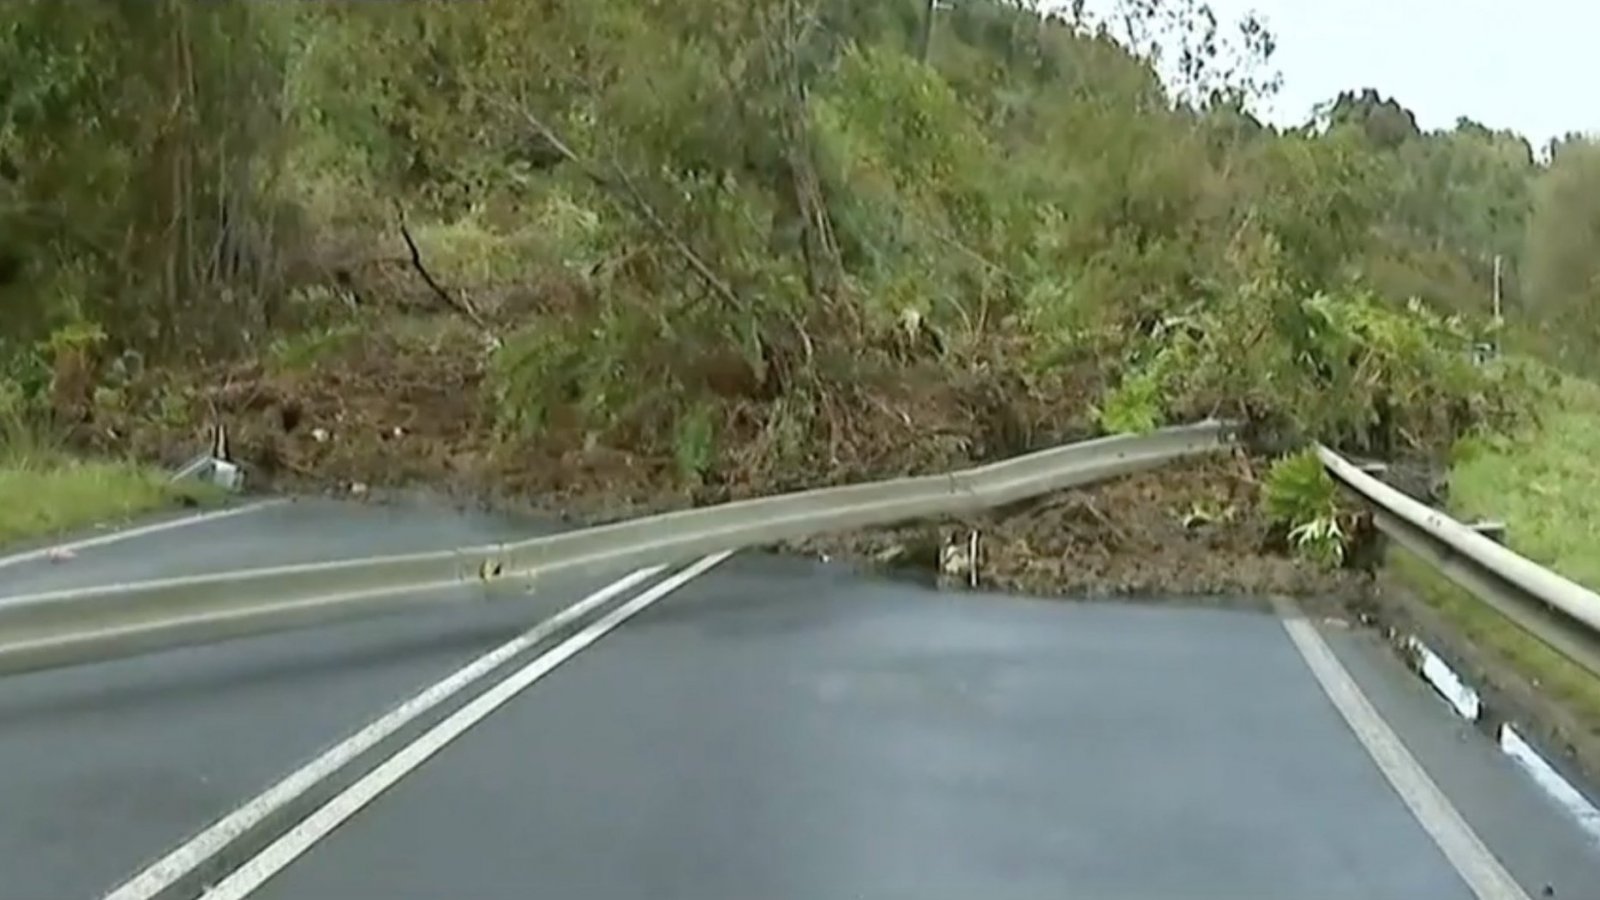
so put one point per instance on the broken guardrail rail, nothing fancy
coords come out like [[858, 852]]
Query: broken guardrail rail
[[62, 628], [1560, 612]]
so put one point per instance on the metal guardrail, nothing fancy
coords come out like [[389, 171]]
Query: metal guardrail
[[1558, 611], [68, 627]]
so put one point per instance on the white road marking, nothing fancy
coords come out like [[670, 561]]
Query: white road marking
[[128, 533], [295, 842], [1466, 852], [197, 850]]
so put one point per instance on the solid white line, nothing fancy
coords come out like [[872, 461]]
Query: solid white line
[[175, 865], [128, 533], [1466, 852], [295, 842]]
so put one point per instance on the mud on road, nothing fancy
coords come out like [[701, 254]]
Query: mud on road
[[405, 405]]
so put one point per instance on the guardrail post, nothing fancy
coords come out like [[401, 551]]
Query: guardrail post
[[1492, 529]]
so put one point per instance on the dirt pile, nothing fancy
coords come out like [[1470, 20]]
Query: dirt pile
[[1190, 530], [380, 410], [400, 407]]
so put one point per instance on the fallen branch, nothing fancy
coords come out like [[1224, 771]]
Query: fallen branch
[[461, 306]]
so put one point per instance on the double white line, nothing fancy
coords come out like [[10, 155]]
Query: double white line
[[200, 851]]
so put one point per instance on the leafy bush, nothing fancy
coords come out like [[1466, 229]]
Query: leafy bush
[[1134, 407], [694, 442], [593, 370], [533, 370], [121, 121], [1301, 498], [1348, 369]]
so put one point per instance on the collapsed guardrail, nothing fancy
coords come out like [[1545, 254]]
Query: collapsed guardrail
[[61, 628], [1558, 611]]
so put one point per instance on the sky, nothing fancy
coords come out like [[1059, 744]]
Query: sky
[[1529, 65]]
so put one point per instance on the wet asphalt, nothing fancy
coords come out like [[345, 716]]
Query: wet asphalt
[[777, 728]]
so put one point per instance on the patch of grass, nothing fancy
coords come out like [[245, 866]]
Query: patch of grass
[[475, 249], [1541, 481], [1557, 678], [299, 352], [45, 494]]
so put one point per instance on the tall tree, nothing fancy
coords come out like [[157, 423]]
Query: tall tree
[[1562, 267], [1385, 122]]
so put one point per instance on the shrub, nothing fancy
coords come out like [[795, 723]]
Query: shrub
[[1303, 500]]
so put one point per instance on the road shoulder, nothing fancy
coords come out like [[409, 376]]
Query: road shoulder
[[1531, 835]]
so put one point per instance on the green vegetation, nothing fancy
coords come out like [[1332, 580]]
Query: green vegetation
[[1541, 480], [669, 211], [42, 495], [301, 350], [1562, 270], [1557, 678], [1302, 498], [45, 491], [760, 241]]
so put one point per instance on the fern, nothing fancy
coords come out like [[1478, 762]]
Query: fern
[[1134, 407], [1303, 499], [694, 442]]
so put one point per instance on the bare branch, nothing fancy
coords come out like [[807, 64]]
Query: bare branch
[[461, 306]]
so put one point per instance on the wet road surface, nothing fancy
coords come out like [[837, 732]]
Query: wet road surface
[[771, 728]]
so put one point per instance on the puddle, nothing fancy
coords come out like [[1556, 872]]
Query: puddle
[[1469, 706]]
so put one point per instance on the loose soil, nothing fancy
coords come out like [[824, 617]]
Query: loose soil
[[395, 407], [1191, 531], [398, 407]]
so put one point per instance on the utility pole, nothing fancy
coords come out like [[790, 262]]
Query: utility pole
[[927, 30], [1497, 270], [1498, 323]]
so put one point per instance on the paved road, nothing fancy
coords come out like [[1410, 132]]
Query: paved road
[[103, 767], [771, 729]]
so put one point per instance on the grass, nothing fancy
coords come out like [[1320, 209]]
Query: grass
[[43, 494], [1557, 678], [1543, 482], [301, 352]]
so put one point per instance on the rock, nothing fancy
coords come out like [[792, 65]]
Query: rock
[[890, 554]]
